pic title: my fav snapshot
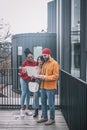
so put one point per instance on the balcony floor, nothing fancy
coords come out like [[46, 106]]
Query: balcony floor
[[10, 120]]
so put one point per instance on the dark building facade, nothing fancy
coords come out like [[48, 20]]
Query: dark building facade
[[35, 42], [71, 29], [51, 14]]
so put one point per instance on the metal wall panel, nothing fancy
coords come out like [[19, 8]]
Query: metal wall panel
[[66, 31], [51, 16], [83, 37], [29, 41], [33, 39]]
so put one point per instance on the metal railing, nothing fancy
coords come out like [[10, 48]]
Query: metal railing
[[10, 90], [8, 97], [73, 101]]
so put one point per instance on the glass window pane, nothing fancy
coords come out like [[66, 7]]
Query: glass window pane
[[75, 38]]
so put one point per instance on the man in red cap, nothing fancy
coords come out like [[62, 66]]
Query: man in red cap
[[49, 77]]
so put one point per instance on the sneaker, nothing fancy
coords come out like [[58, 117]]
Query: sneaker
[[50, 122], [22, 113], [35, 113], [28, 112], [16, 117], [42, 120]]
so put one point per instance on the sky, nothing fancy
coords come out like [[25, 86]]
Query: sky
[[24, 16]]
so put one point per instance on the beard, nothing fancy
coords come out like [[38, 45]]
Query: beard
[[46, 59]]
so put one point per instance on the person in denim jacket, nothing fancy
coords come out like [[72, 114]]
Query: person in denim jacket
[[40, 61]]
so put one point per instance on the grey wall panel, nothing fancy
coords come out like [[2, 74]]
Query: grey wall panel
[[29, 41], [58, 18], [51, 21], [34, 39], [66, 32], [85, 25], [83, 37]]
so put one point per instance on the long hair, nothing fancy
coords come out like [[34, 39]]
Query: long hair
[[40, 57]]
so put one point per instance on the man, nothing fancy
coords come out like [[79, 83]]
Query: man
[[49, 77]]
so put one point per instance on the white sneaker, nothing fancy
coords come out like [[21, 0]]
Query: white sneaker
[[22, 113], [28, 113]]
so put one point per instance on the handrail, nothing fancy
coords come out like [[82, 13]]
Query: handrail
[[73, 101]]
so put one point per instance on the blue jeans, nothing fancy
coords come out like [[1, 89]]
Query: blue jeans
[[36, 100], [50, 95], [25, 93]]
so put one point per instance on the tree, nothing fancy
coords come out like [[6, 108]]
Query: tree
[[5, 42], [5, 34]]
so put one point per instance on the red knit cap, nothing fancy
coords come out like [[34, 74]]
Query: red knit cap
[[46, 51]]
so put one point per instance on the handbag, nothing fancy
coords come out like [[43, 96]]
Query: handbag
[[33, 86]]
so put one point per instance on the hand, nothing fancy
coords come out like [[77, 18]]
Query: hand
[[24, 70], [42, 77], [33, 78]]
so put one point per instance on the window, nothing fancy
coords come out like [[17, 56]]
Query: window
[[37, 51], [75, 38]]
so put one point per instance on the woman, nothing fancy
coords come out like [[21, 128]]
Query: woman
[[40, 61], [24, 80]]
